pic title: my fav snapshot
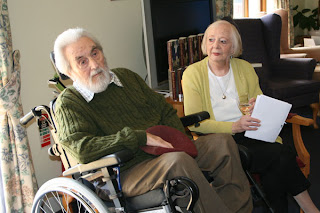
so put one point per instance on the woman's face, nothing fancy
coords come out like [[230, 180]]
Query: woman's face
[[219, 43]]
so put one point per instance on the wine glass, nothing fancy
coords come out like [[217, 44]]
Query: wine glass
[[244, 105], [244, 108]]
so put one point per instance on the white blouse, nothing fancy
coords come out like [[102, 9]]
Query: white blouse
[[224, 109]]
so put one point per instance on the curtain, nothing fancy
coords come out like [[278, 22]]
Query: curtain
[[288, 5], [18, 182], [224, 8]]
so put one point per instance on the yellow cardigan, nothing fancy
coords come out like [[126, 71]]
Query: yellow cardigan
[[196, 92]]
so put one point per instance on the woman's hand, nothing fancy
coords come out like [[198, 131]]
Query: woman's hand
[[245, 123], [153, 140], [252, 102]]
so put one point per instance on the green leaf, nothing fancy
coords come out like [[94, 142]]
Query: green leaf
[[295, 20], [296, 7], [305, 10]]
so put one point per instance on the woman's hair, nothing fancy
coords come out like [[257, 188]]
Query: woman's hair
[[235, 38], [68, 37]]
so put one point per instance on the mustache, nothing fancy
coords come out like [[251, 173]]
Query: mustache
[[97, 71]]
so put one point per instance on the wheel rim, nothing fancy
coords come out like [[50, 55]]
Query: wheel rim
[[59, 201]]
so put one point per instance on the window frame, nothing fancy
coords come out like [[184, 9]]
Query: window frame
[[263, 7]]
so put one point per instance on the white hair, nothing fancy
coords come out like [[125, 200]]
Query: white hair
[[64, 39]]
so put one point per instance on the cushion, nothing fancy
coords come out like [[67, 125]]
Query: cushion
[[179, 141]]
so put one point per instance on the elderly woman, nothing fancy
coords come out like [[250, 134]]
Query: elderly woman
[[216, 84]]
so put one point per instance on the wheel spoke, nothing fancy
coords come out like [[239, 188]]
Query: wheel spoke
[[67, 196]]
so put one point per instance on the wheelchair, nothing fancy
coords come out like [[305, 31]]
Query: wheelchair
[[77, 194]]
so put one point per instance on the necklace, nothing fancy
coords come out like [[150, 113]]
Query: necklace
[[226, 86]]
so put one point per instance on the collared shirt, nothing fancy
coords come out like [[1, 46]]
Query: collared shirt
[[87, 94]]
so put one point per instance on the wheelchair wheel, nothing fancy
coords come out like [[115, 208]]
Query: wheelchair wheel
[[66, 195]]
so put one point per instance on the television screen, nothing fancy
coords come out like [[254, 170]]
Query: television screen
[[171, 19]]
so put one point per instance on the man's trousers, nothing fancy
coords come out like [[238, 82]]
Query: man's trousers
[[218, 155]]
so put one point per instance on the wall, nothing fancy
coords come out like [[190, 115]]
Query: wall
[[35, 25], [311, 4]]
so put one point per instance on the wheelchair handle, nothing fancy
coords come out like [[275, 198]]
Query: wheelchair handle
[[35, 112], [27, 118]]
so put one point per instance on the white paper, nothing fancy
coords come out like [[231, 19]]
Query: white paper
[[309, 42], [272, 113]]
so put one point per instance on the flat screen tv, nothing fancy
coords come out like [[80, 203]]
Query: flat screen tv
[[170, 19]]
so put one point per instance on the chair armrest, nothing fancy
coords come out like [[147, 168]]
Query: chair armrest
[[109, 160], [294, 68], [194, 119], [299, 120], [302, 152]]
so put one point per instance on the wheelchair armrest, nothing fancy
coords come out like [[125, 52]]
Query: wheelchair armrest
[[194, 118], [109, 160]]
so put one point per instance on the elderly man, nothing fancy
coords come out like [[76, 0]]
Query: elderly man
[[109, 110]]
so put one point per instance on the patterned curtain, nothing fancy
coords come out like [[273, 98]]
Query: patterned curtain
[[288, 5], [18, 183], [224, 8]]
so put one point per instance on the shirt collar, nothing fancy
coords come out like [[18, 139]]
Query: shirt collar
[[87, 94]]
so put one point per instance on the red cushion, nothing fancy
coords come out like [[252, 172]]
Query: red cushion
[[179, 141]]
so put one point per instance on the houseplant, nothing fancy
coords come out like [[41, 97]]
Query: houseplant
[[305, 21]]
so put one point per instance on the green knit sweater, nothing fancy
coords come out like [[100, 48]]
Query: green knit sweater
[[115, 119]]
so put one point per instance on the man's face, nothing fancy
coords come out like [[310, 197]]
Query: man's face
[[88, 66]]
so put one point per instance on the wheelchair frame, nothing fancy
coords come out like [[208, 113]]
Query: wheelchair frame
[[60, 190]]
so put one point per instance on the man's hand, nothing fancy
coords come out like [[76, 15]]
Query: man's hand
[[153, 140], [246, 122]]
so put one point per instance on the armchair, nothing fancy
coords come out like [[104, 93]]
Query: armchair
[[285, 50], [287, 79]]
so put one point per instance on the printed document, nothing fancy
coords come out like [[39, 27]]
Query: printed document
[[272, 113]]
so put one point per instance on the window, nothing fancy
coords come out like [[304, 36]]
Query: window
[[252, 8]]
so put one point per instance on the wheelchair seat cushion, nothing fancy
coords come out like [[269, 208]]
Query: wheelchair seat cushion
[[150, 199], [179, 141]]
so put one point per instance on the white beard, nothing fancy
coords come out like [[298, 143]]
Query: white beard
[[100, 84]]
